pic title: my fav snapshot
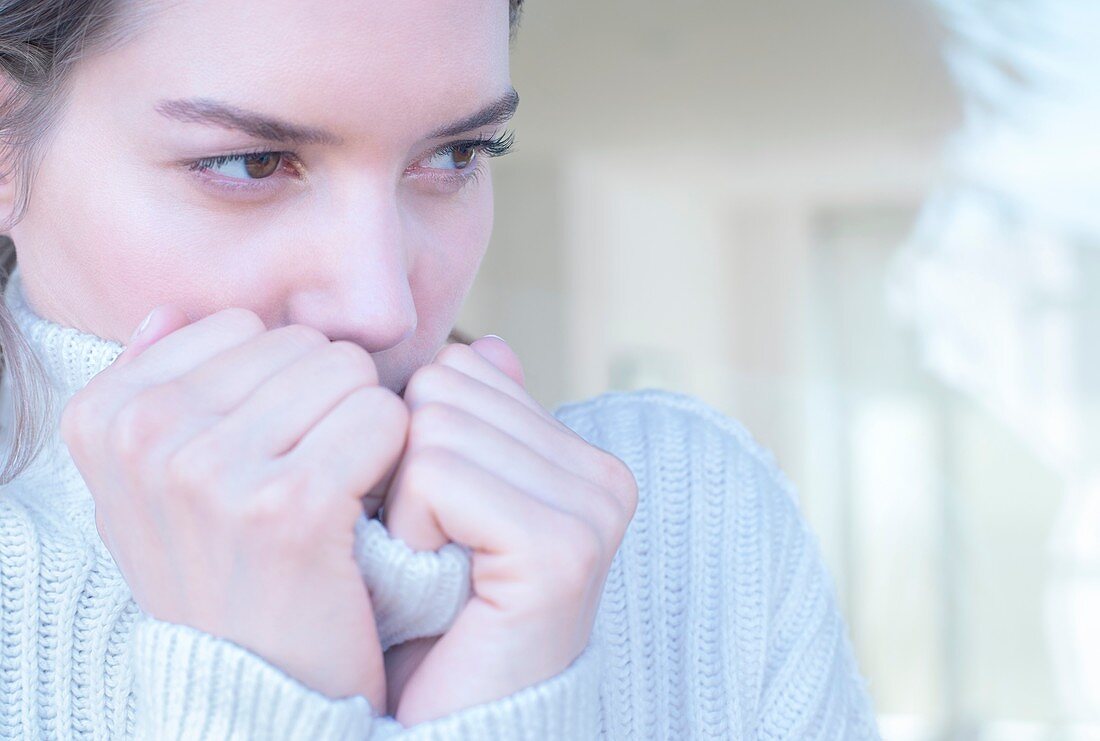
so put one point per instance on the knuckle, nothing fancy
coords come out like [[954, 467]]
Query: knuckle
[[144, 418], [367, 413], [281, 515], [349, 357], [271, 508], [427, 423], [609, 468], [451, 351], [425, 466], [303, 336], [628, 493], [241, 320], [387, 408], [285, 482], [198, 464], [610, 512], [414, 386], [424, 379], [617, 477], [378, 408]]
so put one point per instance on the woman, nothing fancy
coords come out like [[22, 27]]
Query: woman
[[285, 507]]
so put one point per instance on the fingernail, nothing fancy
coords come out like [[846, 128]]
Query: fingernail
[[142, 326], [497, 336]]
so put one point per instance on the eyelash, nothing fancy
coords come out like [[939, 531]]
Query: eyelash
[[485, 147]]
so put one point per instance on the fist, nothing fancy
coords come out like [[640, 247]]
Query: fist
[[543, 511], [227, 479]]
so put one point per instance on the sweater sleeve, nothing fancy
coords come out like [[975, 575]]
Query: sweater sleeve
[[415, 594], [194, 685], [565, 706], [812, 686], [419, 594]]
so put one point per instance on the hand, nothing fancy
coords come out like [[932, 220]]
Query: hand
[[226, 482], [543, 511]]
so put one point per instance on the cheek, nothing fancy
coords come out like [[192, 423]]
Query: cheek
[[105, 246], [152, 238], [137, 247], [452, 241]]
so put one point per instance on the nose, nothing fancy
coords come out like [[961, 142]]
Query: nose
[[357, 286]]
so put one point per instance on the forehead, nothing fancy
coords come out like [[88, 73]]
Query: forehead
[[350, 65]]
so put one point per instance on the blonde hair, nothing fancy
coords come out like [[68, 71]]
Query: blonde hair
[[40, 41]]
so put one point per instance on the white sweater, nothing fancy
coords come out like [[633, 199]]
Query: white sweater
[[718, 618]]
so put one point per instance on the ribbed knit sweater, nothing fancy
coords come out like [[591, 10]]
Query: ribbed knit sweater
[[718, 618]]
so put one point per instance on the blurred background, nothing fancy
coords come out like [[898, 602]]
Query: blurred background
[[869, 231]]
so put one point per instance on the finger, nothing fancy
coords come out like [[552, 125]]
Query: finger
[[158, 323], [469, 360], [444, 426], [146, 360], [189, 346], [442, 383], [372, 501], [354, 445], [500, 354], [285, 407], [225, 381], [401, 662], [440, 497]]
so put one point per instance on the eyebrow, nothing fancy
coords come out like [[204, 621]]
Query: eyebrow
[[269, 128], [496, 113]]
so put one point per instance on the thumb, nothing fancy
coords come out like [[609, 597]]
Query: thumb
[[161, 321], [500, 354]]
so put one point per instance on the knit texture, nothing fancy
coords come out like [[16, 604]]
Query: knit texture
[[718, 617], [415, 594]]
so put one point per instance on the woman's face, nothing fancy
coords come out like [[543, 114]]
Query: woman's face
[[365, 227]]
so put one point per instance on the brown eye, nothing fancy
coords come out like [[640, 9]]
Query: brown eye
[[463, 155], [262, 165]]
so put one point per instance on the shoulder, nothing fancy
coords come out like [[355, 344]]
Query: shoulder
[[708, 492], [674, 441], [657, 415], [719, 554]]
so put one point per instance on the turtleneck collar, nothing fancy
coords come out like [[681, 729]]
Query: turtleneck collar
[[70, 357]]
